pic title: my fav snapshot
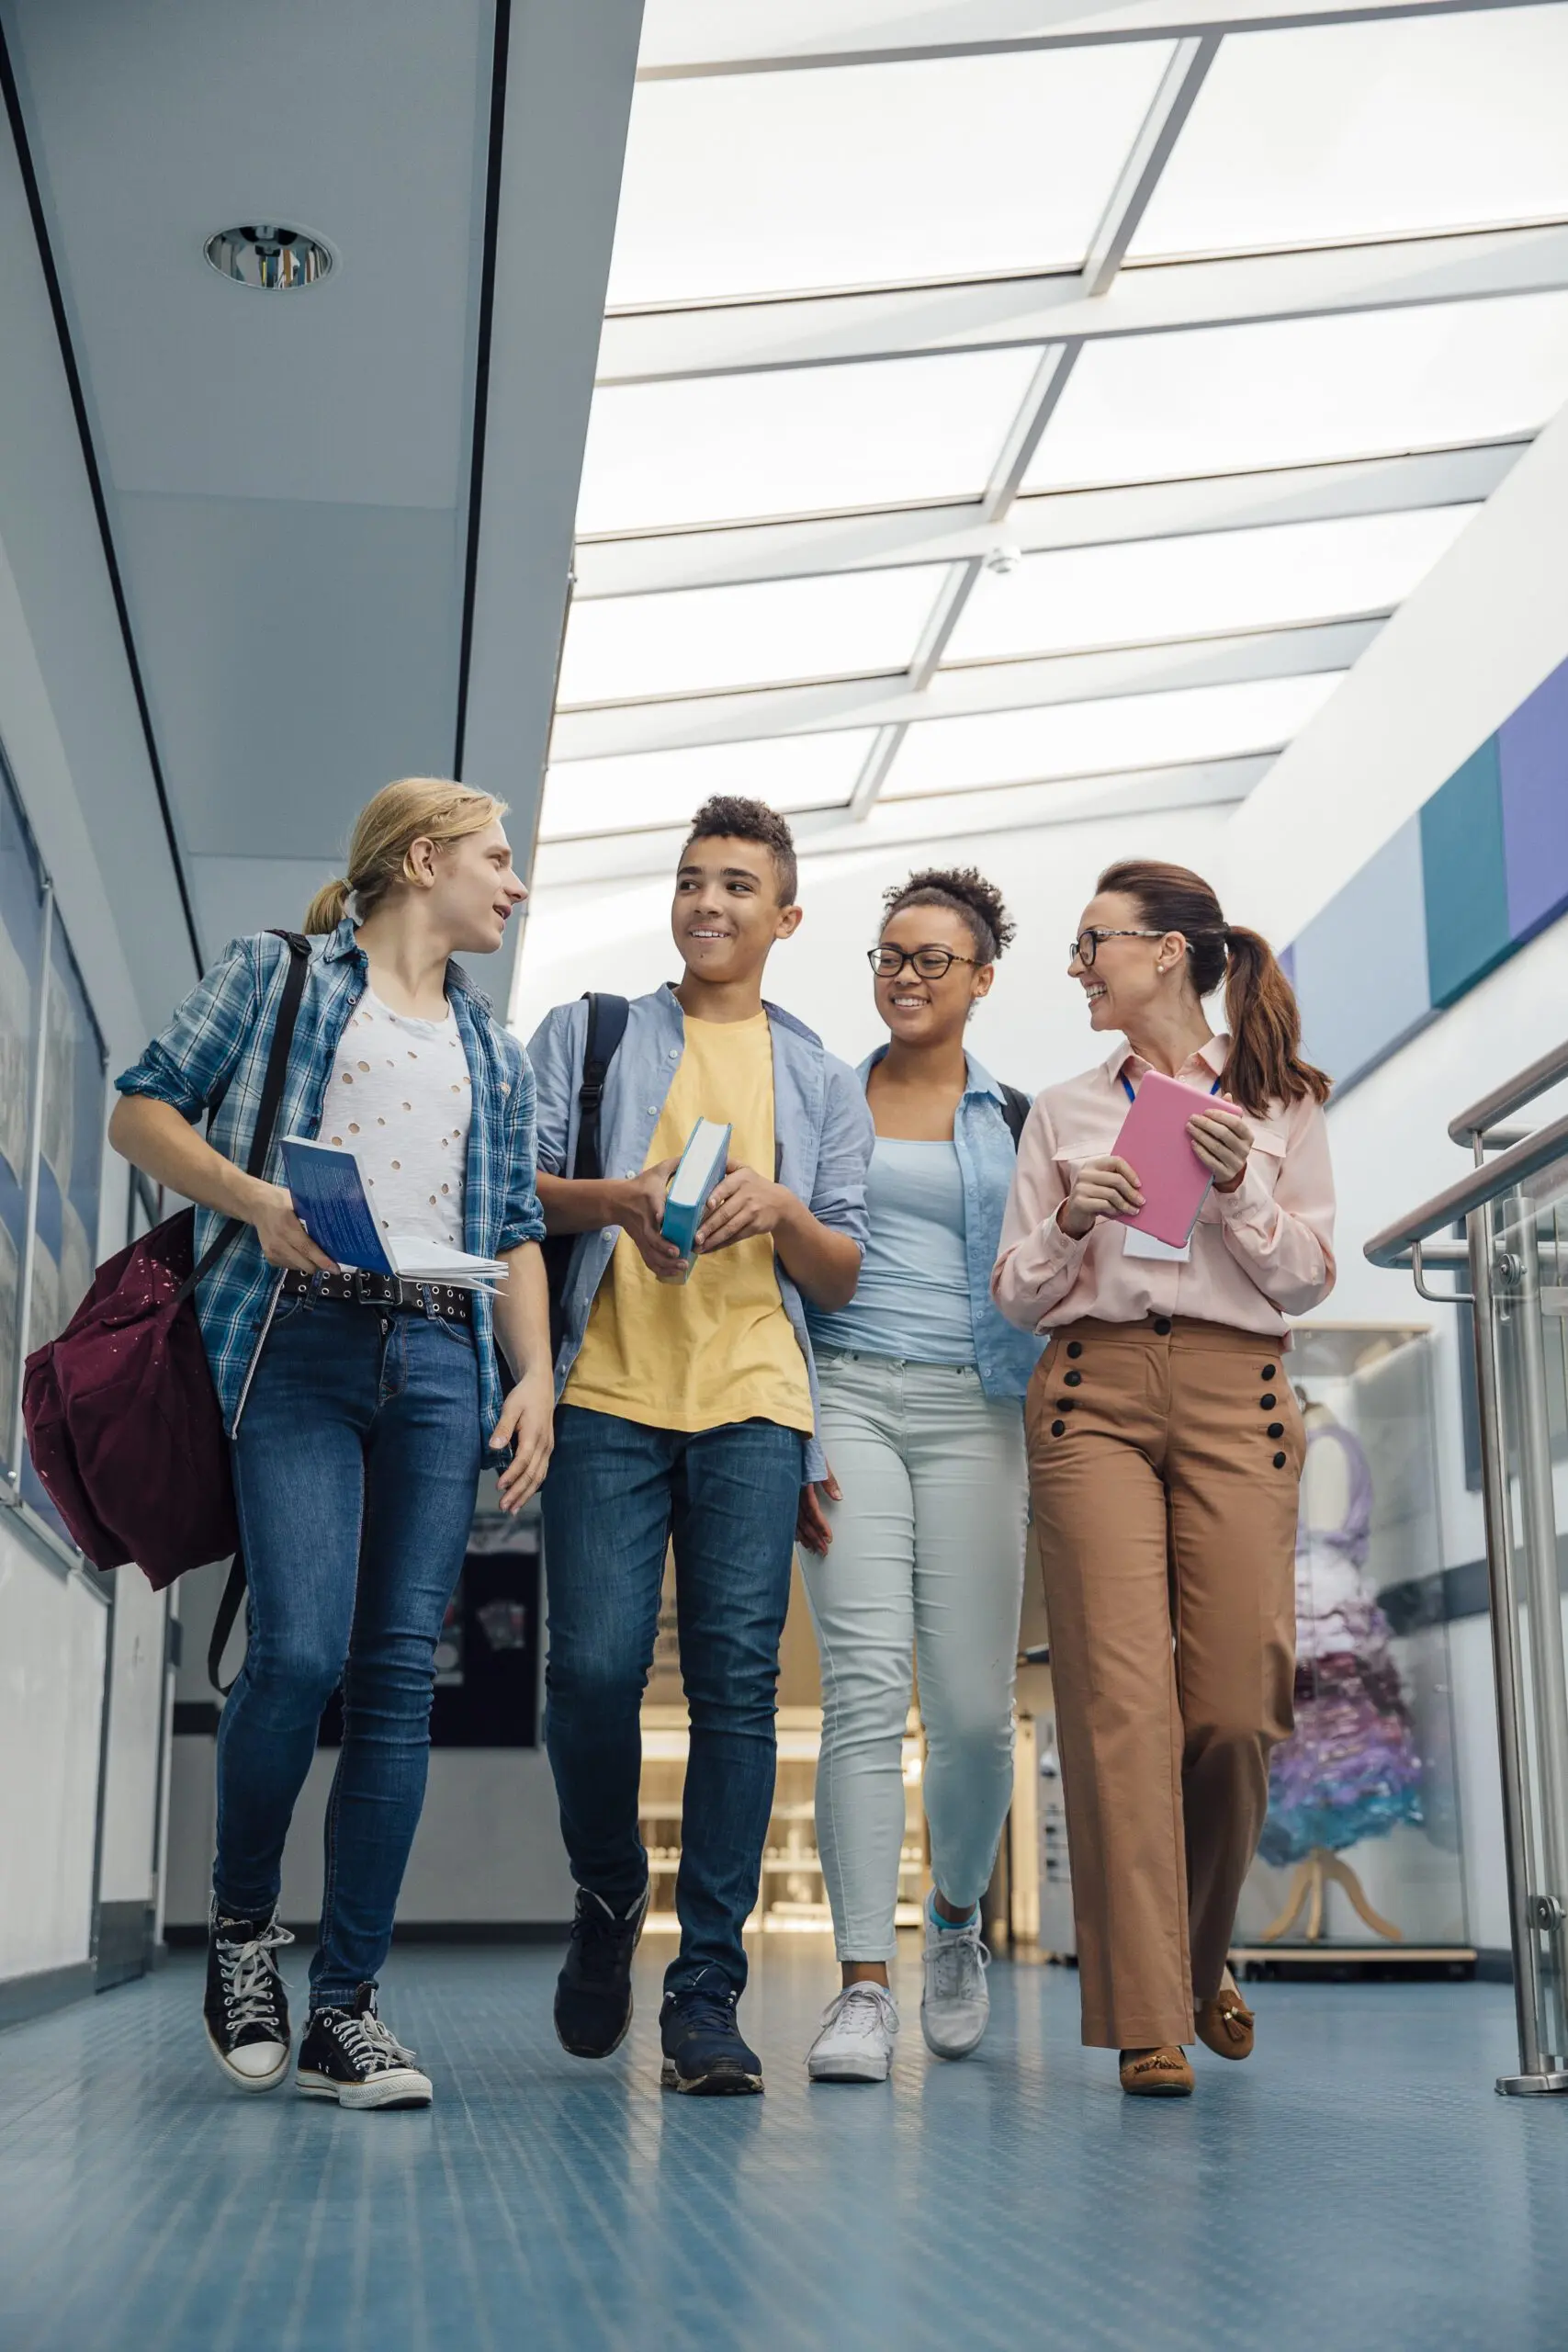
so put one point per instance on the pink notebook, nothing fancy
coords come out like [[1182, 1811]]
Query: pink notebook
[[1154, 1140]]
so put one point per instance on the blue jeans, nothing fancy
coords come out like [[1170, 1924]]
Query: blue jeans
[[355, 1468], [615, 1494]]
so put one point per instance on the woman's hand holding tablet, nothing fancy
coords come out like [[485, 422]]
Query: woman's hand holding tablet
[[1101, 1188], [1222, 1140]]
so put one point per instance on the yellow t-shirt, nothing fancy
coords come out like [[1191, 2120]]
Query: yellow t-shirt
[[718, 1346]]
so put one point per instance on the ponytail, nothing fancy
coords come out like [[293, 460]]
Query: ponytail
[[1264, 1064], [327, 908]]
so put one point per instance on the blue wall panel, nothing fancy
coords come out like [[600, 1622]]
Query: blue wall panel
[[1534, 762], [1467, 894], [1361, 966]]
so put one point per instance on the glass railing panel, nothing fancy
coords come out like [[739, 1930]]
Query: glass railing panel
[[1519, 1262]]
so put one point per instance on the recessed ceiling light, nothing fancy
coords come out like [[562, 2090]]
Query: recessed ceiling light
[[264, 254]]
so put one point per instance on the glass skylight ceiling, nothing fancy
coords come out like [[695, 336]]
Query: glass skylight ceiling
[[649, 788], [798, 441], [706, 638], [1386, 130], [1191, 587], [873, 175], [836, 286]]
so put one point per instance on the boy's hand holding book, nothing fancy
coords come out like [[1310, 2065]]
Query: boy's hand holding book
[[641, 1211], [741, 1207]]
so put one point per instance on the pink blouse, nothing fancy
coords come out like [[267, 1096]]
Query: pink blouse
[[1257, 1254]]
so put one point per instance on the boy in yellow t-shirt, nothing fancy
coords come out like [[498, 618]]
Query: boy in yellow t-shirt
[[687, 1410]]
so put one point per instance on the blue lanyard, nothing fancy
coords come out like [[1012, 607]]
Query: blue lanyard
[[1127, 1088]]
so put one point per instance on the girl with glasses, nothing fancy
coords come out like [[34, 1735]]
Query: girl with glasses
[[913, 1544], [1165, 1452]]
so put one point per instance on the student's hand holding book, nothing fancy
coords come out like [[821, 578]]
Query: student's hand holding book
[[639, 1212], [740, 1208]]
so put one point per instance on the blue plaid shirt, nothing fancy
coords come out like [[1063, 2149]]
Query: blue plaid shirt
[[217, 1044]]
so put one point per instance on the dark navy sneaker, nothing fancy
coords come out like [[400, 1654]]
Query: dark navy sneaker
[[246, 2009], [593, 1991], [703, 2050], [349, 2055]]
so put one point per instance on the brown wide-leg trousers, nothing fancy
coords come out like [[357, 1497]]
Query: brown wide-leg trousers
[[1163, 1460]]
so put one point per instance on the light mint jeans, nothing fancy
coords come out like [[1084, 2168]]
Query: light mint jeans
[[927, 1562]]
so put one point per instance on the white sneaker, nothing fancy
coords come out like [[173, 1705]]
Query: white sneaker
[[955, 2005], [855, 2045]]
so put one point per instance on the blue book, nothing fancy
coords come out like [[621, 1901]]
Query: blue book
[[326, 1183], [331, 1202], [701, 1164]]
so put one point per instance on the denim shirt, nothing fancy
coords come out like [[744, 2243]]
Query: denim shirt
[[1004, 1357], [820, 1120], [214, 1049]]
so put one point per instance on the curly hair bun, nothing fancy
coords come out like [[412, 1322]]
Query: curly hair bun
[[964, 890]]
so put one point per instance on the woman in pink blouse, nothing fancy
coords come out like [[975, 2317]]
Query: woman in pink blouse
[[1166, 1449]]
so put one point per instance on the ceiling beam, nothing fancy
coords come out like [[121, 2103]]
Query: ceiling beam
[[683, 723], [1044, 523], [1155, 297], [1162, 126], [687, 51], [592, 863], [569, 78]]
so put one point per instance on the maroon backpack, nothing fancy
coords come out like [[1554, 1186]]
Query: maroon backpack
[[123, 1423]]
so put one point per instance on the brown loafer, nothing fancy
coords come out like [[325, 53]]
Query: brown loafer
[[1156, 2073], [1225, 2024]]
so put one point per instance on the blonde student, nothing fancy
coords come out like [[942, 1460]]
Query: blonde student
[[361, 1408]]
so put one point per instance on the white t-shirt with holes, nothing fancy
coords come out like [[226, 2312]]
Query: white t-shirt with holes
[[400, 1096]]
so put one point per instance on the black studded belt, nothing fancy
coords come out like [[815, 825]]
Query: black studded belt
[[385, 1291]]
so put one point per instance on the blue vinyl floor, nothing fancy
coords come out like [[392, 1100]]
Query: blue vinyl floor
[[1357, 2185]]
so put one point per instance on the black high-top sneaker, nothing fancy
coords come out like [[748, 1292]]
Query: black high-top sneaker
[[703, 2052], [593, 1991], [246, 2008], [348, 2055]]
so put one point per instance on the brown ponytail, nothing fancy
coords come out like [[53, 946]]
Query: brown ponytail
[[1264, 1064]]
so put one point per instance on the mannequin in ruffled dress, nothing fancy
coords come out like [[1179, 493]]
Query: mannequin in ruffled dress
[[1350, 1770]]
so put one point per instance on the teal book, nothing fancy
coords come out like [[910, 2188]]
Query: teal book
[[700, 1167]]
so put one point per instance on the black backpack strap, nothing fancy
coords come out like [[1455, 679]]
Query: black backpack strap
[[223, 1624], [1015, 1110], [606, 1027], [272, 1093]]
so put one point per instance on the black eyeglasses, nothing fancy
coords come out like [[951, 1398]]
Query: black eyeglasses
[[930, 962], [1087, 944]]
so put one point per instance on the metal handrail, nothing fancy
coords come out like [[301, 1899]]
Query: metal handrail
[[1473, 1190], [1511, 1096]]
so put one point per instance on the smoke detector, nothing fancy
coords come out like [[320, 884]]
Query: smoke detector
[[1004, 559], [268, 256]]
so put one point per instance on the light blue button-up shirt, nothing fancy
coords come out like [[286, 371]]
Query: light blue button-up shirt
[[1004, 1357], [820, 1120]]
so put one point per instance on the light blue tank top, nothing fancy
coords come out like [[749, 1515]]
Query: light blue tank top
[[912, 1301]]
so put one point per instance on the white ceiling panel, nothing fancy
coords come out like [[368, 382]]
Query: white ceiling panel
[[1381, 129], [155, 131], [701, 640], [1099, 738], [730, 448], [588, 797], [875, 174], [1299, 392], [1194, 587]]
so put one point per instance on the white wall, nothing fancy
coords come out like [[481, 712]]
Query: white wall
[[1480, 633], [70, 730], [1476, 638]]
